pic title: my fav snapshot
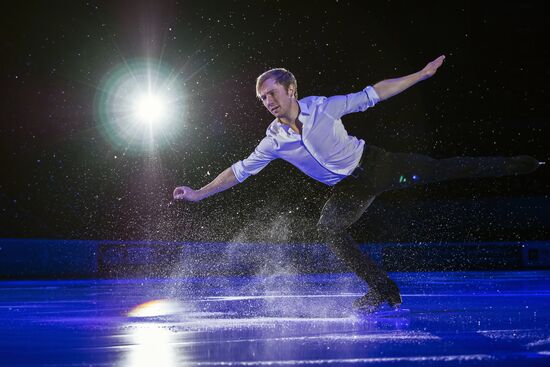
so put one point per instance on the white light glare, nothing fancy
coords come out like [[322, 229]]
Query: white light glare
[[140, 105], [149, 108]]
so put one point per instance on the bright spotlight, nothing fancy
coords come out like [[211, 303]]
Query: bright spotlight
[[141, 93], [149, 108]]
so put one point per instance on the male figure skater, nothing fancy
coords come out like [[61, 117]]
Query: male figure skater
[[309, 134]]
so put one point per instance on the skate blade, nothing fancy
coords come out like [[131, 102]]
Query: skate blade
[[384, 311]]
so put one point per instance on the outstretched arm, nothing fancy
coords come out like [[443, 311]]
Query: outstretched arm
[[390, 87], [225, 180]]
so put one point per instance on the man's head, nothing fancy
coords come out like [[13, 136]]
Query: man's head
[[277, 88]]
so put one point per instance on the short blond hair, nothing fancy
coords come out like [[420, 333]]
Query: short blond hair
[[281, 76]]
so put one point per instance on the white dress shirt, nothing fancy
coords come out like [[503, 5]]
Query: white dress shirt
[[324, 151]]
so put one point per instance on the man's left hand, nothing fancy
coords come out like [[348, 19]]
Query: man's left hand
[[430, 69]]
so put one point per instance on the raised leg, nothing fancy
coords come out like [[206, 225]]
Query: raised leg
[[392, 171]]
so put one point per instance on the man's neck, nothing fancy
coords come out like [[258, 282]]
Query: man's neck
[[292, 116]]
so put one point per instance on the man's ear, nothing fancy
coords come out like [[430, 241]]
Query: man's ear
[[291, 91]]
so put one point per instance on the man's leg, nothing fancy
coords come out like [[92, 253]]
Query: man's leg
[[383, 171], [399, 170], [342, 209]]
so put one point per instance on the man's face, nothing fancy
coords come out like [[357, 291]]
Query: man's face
[[276, 98]]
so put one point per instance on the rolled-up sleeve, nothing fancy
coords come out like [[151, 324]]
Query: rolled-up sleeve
[[338, 106], [260, 157]]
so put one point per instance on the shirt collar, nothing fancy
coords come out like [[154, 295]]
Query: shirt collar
[[303, 116], [304, 109]]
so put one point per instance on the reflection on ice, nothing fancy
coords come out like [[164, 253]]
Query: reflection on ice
[[151, 344], [158, 307]]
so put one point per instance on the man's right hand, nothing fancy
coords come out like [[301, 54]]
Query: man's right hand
[[222, 182], [186, 193]]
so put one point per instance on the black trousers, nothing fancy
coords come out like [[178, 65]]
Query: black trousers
[[382, 171]]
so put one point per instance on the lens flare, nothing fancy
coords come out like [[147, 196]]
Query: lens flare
[[158, 307], [140, 105], [150, 108]]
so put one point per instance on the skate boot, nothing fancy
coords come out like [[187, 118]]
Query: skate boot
[[522, 165], [375, 298]]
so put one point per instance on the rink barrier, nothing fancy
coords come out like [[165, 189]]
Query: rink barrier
[[75, 259]]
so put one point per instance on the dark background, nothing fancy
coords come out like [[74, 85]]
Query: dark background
[[60, 177]]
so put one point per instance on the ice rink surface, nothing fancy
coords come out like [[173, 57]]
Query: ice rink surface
[[447, 319]]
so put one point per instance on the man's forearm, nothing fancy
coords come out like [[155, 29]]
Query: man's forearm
[[224, 181], [390, 87]]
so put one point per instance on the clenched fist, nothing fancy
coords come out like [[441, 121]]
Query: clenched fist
[[186, 193]]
